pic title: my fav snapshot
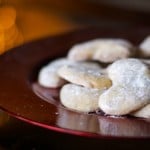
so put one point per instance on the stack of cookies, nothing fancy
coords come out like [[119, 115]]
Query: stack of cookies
[[121, 88]]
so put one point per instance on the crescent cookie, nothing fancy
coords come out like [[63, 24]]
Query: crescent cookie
[[128, 71], [80, 98], [103, 50], [146, 61], [111, 50], [143, 112], [145, 47], [85, 75], [48, 75], [130, 90], [83, 51]]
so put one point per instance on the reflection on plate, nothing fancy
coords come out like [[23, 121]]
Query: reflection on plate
[[23, 98], [93, 123]]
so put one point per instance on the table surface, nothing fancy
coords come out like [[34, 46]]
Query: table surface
[[35, 20]]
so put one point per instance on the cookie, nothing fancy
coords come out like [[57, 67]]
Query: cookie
[[83, 51], [103, 50], [145, 47], [143, 112], [110, 50], [130, 90], [49, 77], [85, 75], [80, 98]]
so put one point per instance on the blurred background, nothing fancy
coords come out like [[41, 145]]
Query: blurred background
[[22, 21], [25, 20]]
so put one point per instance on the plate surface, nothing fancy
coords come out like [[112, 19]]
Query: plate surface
[[24, 99]]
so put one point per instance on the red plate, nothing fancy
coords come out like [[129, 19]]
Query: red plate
[[22, 98]]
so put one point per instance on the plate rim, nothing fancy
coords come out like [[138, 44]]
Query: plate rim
[[22, 62]]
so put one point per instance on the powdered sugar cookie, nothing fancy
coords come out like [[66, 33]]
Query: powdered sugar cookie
[[85, 75], [121, 100], [128, 71], [130, 90], [83, 51], [110, 50], [103, 50], [145, 47], [48, 76], [80, 98], [143, 112]]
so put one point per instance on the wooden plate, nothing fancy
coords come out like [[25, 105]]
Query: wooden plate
[[24, 99]]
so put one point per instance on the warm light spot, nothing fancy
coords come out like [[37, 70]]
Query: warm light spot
[[10, 36], [7, 17], [2, 43], [21, 23], [36, 24]]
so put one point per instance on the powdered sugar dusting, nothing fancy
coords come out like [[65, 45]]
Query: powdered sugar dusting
[[130, 90]]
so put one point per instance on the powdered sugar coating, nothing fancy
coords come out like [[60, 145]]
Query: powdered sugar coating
[[48, 75], [127, 80], [104, 50], [143, 112], [121, 100], [145, 47], [130, 90], [83, 51], [113, 49], [128, 71], [85, 75], [80, 98]]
